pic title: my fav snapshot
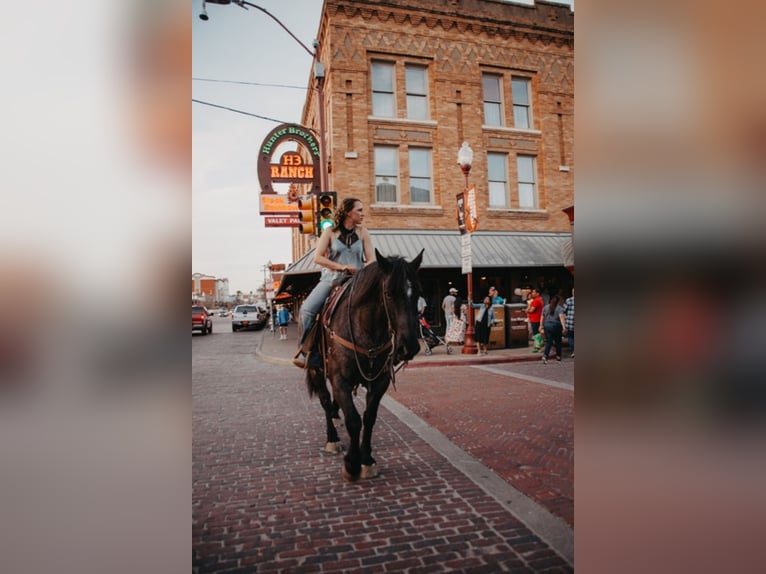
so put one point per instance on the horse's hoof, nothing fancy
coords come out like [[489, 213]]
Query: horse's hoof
[[348, 476], [333, 447], [370, 471]]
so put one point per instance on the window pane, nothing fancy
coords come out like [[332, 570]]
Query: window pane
[[491, 88], [386, 174], [382, 77], [417, 108], [385, 161], [383, 105], [520, 89], [497, 171], [526, 166], [492, 114], [420, 175], [420, 163], [521, 117], [496, 166], [416, 80], [383, 102], [385, 189], [497, 194], [420, 190], [526, 196]]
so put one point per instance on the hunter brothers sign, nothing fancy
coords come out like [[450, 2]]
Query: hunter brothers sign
[[292, 167]]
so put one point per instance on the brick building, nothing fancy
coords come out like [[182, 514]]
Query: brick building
[[208, 289], [406, 83]]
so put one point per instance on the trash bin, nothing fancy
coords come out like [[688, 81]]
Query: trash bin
[[497, 331], [517, 327]]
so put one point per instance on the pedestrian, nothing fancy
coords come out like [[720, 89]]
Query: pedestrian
[[495, 296], [485, 318], [535, 311], [553, 326], [283, 318], [422, 306], [342, 250], [448, 306], [569, 321]]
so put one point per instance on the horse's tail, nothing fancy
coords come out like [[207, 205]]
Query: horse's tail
[[315, 380]]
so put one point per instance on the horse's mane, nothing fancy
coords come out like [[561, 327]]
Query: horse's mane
[[371, 277]]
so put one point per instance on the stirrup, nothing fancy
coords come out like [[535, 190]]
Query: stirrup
[[299, 360]]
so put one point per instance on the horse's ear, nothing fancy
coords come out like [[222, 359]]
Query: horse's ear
[[382, 260], [415, 263]]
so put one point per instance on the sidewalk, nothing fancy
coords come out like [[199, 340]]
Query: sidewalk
[[274, 350]]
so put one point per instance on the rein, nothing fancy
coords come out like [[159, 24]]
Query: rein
[[371, 353]]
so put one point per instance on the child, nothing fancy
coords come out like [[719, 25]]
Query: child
[[283, 316]]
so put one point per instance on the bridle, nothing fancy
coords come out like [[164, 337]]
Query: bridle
[[374, 352]]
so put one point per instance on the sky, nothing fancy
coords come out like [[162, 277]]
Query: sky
[[229, 238]]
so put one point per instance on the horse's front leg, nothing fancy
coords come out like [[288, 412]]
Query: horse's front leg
[[374, 396], [319, 386], [352, 464]]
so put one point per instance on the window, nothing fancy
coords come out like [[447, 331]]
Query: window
[[521, 109], [527, 186], [420, 175], [493, 105], [383, 101], [386, 174], [497, 167], [417, 98]]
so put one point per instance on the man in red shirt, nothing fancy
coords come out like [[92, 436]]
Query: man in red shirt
[[535, 311]]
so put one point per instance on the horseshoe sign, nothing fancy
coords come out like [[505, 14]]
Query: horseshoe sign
[[291, 167]]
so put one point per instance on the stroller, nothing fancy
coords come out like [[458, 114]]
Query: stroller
[[430, 338]]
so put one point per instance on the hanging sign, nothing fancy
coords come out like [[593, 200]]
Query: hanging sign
[[292, 167], [465, 253]]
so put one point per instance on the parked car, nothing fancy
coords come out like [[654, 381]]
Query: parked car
[[248, 317], [201, 319]]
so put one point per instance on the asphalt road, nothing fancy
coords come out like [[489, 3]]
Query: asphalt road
[[265, 497]]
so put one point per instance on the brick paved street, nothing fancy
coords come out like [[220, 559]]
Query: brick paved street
[[265, 499], [521, 429]]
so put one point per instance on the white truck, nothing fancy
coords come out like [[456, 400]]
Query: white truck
[[249, 317]]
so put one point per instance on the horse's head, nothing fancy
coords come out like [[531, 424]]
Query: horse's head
[[401, 289]]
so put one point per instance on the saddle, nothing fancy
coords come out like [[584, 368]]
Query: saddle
[[314, 345]]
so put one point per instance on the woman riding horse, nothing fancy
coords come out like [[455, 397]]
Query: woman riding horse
[[343, 248], [372, 328]]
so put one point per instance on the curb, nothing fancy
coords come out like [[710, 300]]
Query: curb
[[427, 363]]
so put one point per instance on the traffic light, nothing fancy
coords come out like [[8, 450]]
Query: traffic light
[[327, 203], [306, 214]]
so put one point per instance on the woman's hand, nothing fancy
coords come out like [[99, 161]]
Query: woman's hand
[[350, 269]]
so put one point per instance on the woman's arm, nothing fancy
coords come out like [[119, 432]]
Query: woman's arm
[[369, 248]]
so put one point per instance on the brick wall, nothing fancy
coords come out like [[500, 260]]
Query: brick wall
[[456, 41]]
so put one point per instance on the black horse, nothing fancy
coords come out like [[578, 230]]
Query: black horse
[[372, 327]]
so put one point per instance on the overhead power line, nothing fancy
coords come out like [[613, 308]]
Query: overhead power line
[[250, 83], [239, 111]]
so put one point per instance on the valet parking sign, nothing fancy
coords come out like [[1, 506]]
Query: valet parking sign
[[467, 222]]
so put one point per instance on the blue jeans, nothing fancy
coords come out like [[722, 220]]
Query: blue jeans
[[312, 306], [570, 340]]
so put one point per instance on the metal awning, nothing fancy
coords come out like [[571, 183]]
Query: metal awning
[[489, 249]]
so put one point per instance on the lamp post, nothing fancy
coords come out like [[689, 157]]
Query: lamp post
[[319, 74], [464, 159]]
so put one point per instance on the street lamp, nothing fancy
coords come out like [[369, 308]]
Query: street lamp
[[319, 73], [464, 159]]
